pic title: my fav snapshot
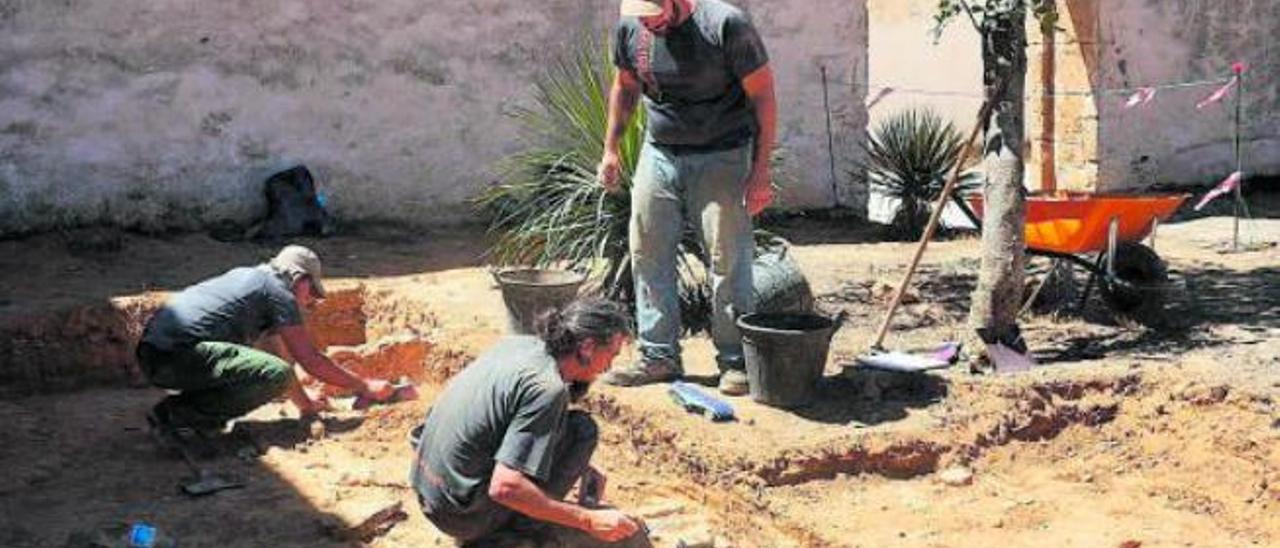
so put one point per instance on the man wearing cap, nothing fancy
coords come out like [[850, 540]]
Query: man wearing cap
[[201, 345], [708, 93]]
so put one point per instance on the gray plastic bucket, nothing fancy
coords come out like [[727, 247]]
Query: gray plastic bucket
[[785, 355], [529, 292]]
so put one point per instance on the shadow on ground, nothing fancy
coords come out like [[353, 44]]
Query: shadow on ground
[[870, 399]]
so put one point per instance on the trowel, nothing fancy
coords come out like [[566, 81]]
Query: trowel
[[403, 392]]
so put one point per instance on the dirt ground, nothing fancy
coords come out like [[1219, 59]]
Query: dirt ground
[[1122, 436]]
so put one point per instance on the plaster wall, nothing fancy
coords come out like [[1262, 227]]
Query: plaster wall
[[159, 115], [1171, 142]]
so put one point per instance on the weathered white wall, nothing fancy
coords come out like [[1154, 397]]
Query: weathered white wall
[[907, 69], [945, 76], [803, 36], [160, 114], [1169, 141]]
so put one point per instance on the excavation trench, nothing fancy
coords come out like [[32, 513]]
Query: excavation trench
[[741, 476]]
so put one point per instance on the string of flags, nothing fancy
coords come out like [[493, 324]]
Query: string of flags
[[1133, 98], [1227, 185], [1145, 95]]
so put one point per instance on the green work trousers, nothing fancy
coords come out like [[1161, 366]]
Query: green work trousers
[[215, 381]]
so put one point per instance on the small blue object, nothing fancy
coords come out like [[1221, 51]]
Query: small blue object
[[142, 535], [322, 200], [695, 400]]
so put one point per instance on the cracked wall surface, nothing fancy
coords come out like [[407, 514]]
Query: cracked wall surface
[[169, 115]]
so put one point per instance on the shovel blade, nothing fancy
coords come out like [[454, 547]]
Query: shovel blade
[[1008, 360]]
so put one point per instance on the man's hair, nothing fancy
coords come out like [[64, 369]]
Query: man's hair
[[564, 329]]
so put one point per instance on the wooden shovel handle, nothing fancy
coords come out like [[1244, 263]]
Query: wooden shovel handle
[[984, 114]]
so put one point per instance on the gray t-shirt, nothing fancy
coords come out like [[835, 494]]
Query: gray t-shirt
[[236, 307], [508, 406], [692, 76]]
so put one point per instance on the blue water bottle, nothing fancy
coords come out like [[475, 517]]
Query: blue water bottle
[[142, 535]]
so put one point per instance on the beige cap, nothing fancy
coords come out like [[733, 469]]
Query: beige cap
[[641, 8], [296, 261]]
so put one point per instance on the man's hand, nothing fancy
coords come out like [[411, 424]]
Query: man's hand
[[378, 390], [610, 525], [609, 172], [314, 404], [759, 191]]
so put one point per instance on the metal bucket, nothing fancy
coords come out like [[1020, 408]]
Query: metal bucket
[[529, 292]]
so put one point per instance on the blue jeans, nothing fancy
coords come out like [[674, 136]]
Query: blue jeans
[[706, 190]]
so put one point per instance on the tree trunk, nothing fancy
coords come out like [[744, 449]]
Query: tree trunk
[[998, 297]]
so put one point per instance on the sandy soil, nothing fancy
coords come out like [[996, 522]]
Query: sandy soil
[[1150, 437]]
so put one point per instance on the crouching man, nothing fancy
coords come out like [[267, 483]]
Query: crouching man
[[500, 449], [200, 345]]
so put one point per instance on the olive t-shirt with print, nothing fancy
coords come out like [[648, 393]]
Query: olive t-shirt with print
[[692, 75], [507, 406]]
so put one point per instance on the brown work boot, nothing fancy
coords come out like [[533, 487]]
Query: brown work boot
[[644, 372], [733, 382], [175, 436]]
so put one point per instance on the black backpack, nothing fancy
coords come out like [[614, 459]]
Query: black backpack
[[293, 208]]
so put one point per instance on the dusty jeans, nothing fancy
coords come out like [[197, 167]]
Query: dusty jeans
[[672, 189], [216, 381]]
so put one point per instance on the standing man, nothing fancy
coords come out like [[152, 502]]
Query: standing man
[[500, 449], [200, 344], [708, 93]]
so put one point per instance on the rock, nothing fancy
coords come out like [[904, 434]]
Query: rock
[[698, 538], [375, 525], [660, 510], [956, 476]]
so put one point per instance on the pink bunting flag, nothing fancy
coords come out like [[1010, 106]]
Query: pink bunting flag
[[1140, 97], [1218, 95], [1227, 185]]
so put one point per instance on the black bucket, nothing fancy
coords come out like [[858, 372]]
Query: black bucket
[[529, 292], [785, 355]]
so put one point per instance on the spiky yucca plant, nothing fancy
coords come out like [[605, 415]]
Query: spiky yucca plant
[[547, 207], [909, 156]]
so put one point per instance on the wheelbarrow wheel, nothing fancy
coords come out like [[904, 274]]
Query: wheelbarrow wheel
[[1137, 291]]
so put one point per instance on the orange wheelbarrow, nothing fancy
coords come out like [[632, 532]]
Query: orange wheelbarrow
[[1072, 226]]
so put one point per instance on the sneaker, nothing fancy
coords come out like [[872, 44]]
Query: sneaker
[[645, 372], [733, 382]]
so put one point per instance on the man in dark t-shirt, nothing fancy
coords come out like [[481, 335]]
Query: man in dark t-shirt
[[200, 344], [708, 92], [500, 448]]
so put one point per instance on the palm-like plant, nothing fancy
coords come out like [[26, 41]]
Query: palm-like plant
[[547, 207], [908, 157]]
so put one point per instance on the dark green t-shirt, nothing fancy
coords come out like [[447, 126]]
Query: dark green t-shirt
[[236, 307], [507, 406], [692, 75]]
